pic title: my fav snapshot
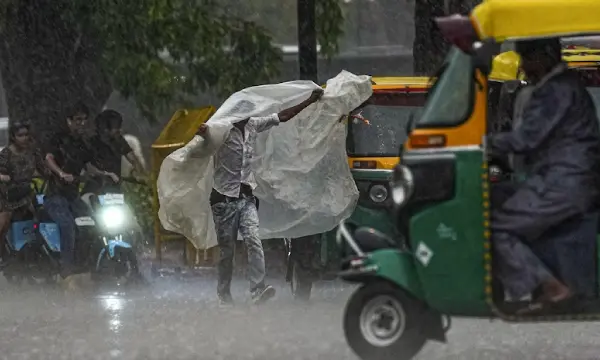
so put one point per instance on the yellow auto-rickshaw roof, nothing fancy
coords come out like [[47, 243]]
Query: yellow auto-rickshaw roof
[[580, 56], [526, 19], [401, 82]]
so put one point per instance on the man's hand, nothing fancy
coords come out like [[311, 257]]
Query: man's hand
[[4, 178], [139, 175], [202, 130], [113, 177], [68, 178], [316, 95]]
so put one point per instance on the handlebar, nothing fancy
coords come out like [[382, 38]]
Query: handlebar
[[133, 180]]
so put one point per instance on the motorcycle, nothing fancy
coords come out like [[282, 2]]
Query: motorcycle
[[103, 243], [32, 244], [116, 229]]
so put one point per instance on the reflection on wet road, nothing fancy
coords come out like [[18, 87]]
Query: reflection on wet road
[[180, 319]]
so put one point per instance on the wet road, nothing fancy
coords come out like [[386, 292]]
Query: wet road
[[180, 319]]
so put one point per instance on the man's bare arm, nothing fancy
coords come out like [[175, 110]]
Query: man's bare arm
[[137, 165], [287, 114], [52, 165], [94, 171]]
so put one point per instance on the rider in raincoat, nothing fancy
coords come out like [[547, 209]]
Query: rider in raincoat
[[559, 139]]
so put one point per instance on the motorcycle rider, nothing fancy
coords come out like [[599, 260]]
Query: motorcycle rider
[[110, 147], [19, 163], [110, 144], [67, 154]]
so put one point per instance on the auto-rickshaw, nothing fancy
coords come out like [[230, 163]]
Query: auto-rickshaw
[[375, 131], [442, 266]]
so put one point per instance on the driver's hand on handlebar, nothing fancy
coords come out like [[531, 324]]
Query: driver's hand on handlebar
[[4, 178], [140, 177], [114, 177], [67, 177]]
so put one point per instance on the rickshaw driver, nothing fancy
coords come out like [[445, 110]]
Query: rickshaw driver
[[559, 137]]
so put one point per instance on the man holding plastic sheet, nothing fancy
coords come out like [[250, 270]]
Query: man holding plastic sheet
[[234, 206], [559, 138]]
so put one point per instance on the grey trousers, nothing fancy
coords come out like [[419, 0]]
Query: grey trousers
[[524, 215], [230, 217], [519, 269]]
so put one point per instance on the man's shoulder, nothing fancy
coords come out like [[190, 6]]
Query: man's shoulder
[[570, 78], [561, 86]]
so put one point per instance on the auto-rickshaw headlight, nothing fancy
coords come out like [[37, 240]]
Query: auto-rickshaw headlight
[[378, 193], [402, 184]]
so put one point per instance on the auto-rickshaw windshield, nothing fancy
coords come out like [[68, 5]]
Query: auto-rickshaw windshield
[[451, 99], [386, 115]]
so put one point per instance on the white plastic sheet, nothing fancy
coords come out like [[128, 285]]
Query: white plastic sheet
[[304, 183]]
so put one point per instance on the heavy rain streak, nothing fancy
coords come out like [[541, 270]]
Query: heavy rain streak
[[298, 179]]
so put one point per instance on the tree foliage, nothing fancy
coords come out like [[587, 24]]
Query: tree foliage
[[157, 51]]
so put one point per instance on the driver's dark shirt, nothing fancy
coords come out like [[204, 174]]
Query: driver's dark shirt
[[107, 157], [71, 154], [108, 153]]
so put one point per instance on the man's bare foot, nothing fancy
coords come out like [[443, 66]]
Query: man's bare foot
[[554, 291]]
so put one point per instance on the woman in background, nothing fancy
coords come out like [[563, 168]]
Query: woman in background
[[19, 163]]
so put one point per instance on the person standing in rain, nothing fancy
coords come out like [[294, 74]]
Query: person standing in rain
[[234, 206], [559, 137]]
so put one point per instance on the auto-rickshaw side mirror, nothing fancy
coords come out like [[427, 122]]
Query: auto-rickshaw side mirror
[[484, 53]]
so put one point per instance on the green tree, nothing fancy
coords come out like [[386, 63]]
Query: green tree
[[158, 52]]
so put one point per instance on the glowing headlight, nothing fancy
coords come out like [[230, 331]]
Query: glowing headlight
[[402, 185], [113, 217], [378, 193]]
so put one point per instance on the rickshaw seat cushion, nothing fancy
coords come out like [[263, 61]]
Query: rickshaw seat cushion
[[369, 239]]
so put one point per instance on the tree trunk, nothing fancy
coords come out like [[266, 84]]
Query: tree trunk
[[307, 40], [430, 48], [47, 66]]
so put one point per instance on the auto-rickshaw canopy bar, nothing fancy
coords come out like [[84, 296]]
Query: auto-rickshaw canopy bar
[[528, 19]]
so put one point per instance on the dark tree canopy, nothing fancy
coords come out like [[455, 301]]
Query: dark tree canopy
[[158, 52]]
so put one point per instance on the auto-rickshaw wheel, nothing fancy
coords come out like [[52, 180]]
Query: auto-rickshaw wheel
[[382, 322]]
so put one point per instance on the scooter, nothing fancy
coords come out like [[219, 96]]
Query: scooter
[[32, 244], [100, 245], [117, 233]]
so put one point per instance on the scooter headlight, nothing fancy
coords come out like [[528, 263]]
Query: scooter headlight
[[112, 217]]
